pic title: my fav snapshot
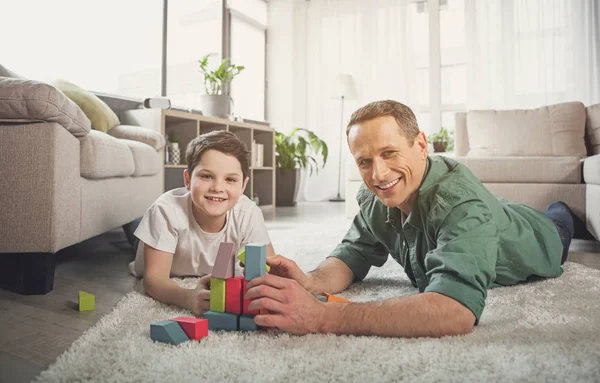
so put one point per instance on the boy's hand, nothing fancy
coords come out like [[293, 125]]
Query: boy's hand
[[200, 296], [286, 268]]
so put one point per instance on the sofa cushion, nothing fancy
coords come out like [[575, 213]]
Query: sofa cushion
[[103, 156], [101, 116], [138, 133], [555, 170], [556, 130], [592, 127], [591, 170], [25, 100], [5, 72], [146, 159]]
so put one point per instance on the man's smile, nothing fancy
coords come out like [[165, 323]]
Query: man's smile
[[389, 186]]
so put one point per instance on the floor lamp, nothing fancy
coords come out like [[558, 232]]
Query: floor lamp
[[342, 89]]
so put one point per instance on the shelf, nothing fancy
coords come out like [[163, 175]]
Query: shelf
[[263, 168], [170, 166]]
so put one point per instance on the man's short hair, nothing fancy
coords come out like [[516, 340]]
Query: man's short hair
[[221, 140], [403, 115]]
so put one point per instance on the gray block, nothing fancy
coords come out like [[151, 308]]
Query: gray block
[[167, 331], [247, 323], [222, 321]]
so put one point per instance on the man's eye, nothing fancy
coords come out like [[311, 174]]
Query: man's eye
[[363, 163], [387, 153]]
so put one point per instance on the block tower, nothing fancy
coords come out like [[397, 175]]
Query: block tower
[[228, 308]]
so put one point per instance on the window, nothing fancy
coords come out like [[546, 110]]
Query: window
[[100, 46]]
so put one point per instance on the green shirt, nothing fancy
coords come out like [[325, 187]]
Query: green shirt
[[458, 240]]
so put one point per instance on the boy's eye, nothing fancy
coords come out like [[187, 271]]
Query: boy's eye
[[231, 180], [206, 176]]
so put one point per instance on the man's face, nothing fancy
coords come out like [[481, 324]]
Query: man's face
[[216, 184], [389, 166]]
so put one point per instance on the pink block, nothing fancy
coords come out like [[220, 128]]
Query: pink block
[[246, 302], [194, 328], [233, 295], [224, 263]]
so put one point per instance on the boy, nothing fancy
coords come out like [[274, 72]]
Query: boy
[[181, 232]]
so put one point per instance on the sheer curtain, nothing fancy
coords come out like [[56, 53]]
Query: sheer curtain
[[371, 40], [530, 53]]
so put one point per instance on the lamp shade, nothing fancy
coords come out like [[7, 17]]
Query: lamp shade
[[343, 86]]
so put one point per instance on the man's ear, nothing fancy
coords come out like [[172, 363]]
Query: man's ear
[[421, 143], [186, 179], [245, 184]]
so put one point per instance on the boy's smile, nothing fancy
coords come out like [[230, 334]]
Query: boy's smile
[[216, 184]]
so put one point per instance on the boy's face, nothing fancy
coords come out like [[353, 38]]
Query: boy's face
[[216, 184]]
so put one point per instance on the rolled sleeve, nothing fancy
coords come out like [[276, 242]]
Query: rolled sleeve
[[462, 267], [360, 250]]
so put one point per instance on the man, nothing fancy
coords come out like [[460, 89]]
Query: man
[[431, 214]]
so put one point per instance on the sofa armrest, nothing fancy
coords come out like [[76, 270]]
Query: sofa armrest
[[23, 100], [138, 133], [591, 170]]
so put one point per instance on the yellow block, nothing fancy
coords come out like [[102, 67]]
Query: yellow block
[[242, 257], [87, 302], [217, 295]]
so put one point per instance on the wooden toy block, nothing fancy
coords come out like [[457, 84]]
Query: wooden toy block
[[224, 263], [87, 302], [256, 260], [167, 331], [222, 321], [233, 295], [194, 328], [242, 257], [247, 323], [333, 298], [246, 302], [217, 294], [322, 298]]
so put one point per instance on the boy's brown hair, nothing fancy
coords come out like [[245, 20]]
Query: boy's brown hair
[[404, 116], [221, 140]]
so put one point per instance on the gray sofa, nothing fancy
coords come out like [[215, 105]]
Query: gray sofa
[[534, 156], [62, 182]]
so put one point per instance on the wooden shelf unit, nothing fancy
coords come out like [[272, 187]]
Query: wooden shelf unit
[[188, 126]]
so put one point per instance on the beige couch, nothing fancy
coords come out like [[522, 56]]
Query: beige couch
[[535, 157], [61, 182]]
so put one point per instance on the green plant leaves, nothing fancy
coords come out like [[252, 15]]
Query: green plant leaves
[[215, 81], [298, 150]]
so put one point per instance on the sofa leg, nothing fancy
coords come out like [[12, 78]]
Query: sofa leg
[[27, 273]]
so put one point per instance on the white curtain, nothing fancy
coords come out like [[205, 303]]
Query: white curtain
[[530, 53], [372, 41]]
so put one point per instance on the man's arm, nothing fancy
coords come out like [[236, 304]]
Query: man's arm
[[331, 276], [422, 315]]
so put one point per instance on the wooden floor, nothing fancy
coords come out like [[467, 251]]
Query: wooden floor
[[34, 330]]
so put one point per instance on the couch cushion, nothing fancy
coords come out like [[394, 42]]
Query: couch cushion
[[591, 170], [103, 156], [556, 170], [138, 133], [101, 116], [556, 130], [592, 127], [25, 100], [147, 160], [5, 72]]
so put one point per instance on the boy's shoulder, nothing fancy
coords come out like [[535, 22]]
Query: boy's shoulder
[[244, 205], [175, 198]]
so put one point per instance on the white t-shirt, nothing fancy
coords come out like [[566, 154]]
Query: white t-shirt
[[169, 225]]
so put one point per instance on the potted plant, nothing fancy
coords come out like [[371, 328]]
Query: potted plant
[[215, 102], [295, 151], [442, 141]]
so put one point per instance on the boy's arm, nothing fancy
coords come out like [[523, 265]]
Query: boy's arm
[[159, 285]]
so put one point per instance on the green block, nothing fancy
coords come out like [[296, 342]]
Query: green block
[[217, 295], [167, 331], [87, 302], [242, 257], [222, 321]]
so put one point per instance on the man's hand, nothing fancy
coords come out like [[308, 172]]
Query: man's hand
[[286, 268], [290, 307], [199, 298]]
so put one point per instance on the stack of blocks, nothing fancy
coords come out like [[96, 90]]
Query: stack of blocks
[[228, 308], [179, 330]]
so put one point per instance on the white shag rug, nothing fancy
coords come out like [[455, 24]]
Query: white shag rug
[[542, 331]]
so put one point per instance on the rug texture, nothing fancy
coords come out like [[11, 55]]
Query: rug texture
[[546, 331]]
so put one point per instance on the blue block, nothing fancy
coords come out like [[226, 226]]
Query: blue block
[[256, 260], [167, 331], [247, 323], [222, 321]]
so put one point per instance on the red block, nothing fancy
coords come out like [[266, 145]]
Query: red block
[[233, 295], [194, 328], [246, 301]]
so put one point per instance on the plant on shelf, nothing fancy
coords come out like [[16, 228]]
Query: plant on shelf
[[173, 139], [298, 150], [216, 80], [442, 141]]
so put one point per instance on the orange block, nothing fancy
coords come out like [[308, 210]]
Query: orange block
[[333, 298], [233, 295], [194, 328], [246, 302]]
